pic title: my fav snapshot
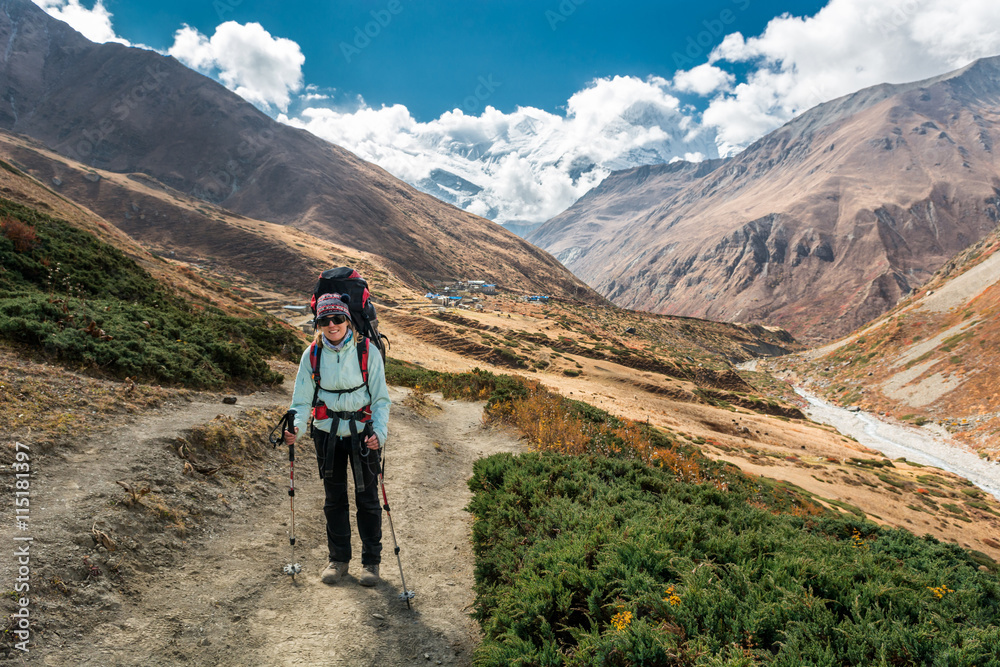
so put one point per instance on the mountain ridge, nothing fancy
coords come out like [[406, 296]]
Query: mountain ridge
[[888, 183], [127, 110]]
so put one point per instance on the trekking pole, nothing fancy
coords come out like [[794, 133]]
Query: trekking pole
[[287, 423], [406, 594]]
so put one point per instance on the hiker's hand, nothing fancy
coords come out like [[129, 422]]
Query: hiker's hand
[[290, 437], [372, 441]]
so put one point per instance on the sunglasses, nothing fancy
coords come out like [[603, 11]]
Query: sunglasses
[[327, 321]]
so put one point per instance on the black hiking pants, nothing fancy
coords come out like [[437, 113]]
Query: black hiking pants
[[336, 509]]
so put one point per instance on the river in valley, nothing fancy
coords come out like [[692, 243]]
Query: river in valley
[[929, 445]]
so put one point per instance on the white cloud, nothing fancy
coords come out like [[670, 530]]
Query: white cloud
[[799, 62], [312, 93], [703, 80], [193, 49], [262, 69], [94, 24], [531, 164], [525, 165]]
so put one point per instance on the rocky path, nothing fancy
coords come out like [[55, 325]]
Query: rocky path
[[217, 596]]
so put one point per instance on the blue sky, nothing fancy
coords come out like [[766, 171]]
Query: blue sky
[[531, 104], [429, 56]]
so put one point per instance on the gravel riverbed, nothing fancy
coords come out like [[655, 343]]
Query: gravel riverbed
[[929, 445]]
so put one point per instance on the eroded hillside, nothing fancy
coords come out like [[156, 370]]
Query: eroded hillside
[[933, 358]]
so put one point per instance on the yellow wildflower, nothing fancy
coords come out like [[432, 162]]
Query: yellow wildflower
[[621, 620], [940, 591]]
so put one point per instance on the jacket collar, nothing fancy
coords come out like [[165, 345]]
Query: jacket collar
[[344, 343]]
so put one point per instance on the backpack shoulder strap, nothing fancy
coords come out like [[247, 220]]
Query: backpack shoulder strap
[[314, 352], [363, 358], [363, 363]]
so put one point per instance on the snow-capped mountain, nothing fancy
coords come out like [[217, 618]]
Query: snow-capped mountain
[[528, 165]]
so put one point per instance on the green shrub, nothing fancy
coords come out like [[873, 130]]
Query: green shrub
[[474, 385], [510, 357], [596, 561], [872, 463], [932, 480], [80, 301]]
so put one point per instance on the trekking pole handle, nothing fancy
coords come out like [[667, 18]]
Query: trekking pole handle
[[286, 423], [379, 453], [290, 427], [369, 432]]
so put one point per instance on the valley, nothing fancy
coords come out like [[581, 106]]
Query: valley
[[922, 445], [676, 374], [621, 448]]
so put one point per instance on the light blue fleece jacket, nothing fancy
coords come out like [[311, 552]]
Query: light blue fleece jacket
[[339, 369]]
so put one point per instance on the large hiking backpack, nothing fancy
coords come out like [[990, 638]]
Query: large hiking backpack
[[345, 280], [348, 283]]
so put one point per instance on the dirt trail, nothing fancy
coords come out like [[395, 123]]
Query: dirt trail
[[218, 596]]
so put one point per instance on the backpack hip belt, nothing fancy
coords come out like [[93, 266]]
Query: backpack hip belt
[[359, 451]]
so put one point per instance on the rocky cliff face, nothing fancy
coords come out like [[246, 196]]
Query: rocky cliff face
[[127, 110], [818, 227]]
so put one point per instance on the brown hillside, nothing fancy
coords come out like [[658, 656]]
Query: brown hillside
[[932, 358], [130, 111], [24, 189], [172, 224]]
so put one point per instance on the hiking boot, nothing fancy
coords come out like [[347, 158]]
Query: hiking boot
[[334, 572], [369, 575]]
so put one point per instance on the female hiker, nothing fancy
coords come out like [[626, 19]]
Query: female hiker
[[343, 432]]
